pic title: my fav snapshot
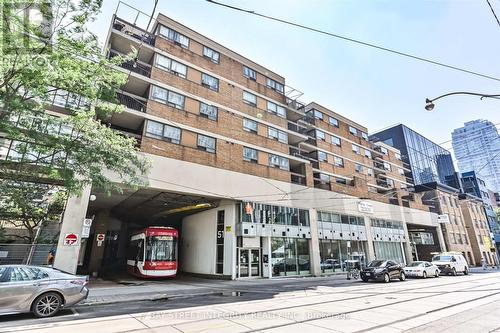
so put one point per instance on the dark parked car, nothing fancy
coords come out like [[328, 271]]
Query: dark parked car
[[330, 263], [383, 270]]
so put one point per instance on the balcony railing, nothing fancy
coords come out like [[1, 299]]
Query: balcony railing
[[297, 178], [131, 102], [297, 128], [133, 66], [134, 31]]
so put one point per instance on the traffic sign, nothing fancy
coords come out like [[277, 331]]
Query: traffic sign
[[100, 238], [71, 239]]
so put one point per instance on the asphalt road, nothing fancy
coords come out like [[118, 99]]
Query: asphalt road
[[298, 305]]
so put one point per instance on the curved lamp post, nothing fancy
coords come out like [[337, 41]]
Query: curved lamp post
[[429, 103]]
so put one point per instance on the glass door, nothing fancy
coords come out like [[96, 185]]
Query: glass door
[[255, 262], [243, 263]]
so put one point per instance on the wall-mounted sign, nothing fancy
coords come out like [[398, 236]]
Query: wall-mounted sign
[[87, 223], [444, 218], [100, 239], [365, 207], [228, 228], [4, 254], [71, 239]]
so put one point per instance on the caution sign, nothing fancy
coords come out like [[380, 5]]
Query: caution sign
[[71, 239]]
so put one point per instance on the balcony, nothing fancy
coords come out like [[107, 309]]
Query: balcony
[[133, 66], [293, 126], [134, 103], [133, 31], [297, 178]]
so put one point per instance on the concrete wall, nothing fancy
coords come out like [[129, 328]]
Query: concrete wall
[[199, 232]]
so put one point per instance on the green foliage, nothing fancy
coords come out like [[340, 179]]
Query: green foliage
[[77, 149]]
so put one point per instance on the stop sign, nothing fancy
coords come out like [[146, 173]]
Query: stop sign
[[70, 239]]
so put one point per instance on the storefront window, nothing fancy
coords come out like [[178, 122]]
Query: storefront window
[[303, 256], [290, 256], [334, 253], [260, 213], [389, 251]]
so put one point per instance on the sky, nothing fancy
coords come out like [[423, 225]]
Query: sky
[[372, 87]]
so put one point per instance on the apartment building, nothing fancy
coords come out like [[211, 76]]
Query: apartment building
[[477, 227], [257, 183]]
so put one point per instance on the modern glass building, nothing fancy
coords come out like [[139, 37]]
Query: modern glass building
[[477, 148], [428, 161]]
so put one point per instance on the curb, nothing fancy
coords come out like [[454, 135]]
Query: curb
[[154, 298]]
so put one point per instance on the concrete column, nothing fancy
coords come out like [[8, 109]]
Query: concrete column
[[314, 244], [100, 226], [267, 268], [369, 237], [406, 246], [66, 258], [442, 243]]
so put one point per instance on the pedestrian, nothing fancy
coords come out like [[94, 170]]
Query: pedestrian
[[483, 263], [50, 257]]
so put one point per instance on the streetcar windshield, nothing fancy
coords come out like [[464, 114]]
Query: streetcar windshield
[[161, 248]]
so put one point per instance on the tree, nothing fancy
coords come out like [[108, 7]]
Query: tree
[[57, 57]]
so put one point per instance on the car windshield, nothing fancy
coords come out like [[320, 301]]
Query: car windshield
[[377, 263], [442, 258], [415, 264]]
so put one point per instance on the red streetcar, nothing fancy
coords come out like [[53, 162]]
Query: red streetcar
[[153, 253]]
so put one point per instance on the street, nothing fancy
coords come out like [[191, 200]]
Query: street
[[453, 304]]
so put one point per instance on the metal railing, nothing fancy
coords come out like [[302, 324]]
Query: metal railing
[[133, 66], [131, 102], [134, 31], [28, 254], [297, 128], [297, 178]]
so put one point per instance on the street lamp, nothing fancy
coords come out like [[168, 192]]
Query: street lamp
[[429, 103]]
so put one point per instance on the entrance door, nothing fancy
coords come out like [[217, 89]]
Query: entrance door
[[248, 263]]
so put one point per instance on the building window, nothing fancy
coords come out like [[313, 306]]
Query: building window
[[353, 130], [208, 111], [320, 135], [168, 97], [384, 150], [324, 179], [206, 143], [336, 140], [364, 136], [249, 98], [163, 132], [318, 114], [342, 181], [368, 153], [250, 155], [171, 66], [338, 161], [322, 156], [358, 167], [334, 122], [210, 82], [275, 85], [390, 182], [398, 156], [211, 54], [249, 73], [275, 134], [369, 172], [249, 125], [401, 172], [356, 149], [174, 36], [387, 166], [276, 109], [278, 162]]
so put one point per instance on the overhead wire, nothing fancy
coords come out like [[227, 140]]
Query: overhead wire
[[357, 41]]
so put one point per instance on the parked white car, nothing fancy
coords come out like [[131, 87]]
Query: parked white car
[[451, 263], [421, 269]]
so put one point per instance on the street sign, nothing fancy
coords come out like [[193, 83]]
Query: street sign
[[100, 238], [87, 223], [71, 239], [443, 218], [4, 254], [365, 207]]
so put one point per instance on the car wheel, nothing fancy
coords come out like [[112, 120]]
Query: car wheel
[[424, 275], [364, 279], [46, 305], [466, 271], [437, 274], [454, 272], [387, 278], [402, 276]]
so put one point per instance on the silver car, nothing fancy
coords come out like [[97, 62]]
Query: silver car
[[41, 290]]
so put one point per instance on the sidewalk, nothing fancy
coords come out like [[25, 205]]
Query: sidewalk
[[108, 292]]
